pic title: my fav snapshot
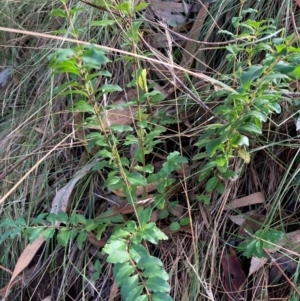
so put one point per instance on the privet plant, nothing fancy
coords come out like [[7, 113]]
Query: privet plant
[[259, 89]]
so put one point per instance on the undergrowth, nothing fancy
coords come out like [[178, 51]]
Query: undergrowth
[[142, 183]]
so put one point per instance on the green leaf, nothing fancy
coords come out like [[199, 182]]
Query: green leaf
[[137, 179], [185, 221], [38, 220], [120, 128], [90, 226], [118, 257], [275, 107], [63, 236], [98, 266], [203, 198], [135, 292], [161, 297], [155, 271], [34, 233], [141, 6], [142, 298], [81, 238], [144, 215], [93, 57], [213, 146], [148, 261], [220, 188], [150, 235], [58, 13], [271, 235], [211, 184], [159, 201], [128, 285], [76, 219], [62, 217], [159, 234], [137, 252], [175, 226], [250, 127], [163, 214], [99, 231], [51, 218], [122, 271], [83, 106], [115, 245], [157, 284], [48, 233], [251, 74], [103, 23], [230, 174], [100, 165]]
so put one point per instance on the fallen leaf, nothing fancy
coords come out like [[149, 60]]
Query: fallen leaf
[[59, 203], [233, 276], [62, 196], [23, 261], [254, 198], [255, 264]]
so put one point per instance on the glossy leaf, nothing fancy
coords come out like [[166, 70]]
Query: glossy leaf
[[118, 257], [148, 261], [122, 271], [157, 284], [161, 297], [211, 184], [251, 74]]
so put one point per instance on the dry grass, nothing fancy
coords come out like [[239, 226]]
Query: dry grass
[[35, 124]]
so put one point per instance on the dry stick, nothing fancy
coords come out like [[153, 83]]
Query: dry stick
[[5, 173], [177, 67], [282, 272]]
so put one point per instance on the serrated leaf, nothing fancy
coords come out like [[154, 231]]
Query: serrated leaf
[[48, 233], [157, 284], [118, 257], [81, 238], [161, 297], [142, 298], [128, 285], [62, 217], [137, 179], [144, 215], [135, 292], [122, 271], [34, 233], [120, 128], [63, 236], [148, 261], [250, 127], [116, 245], [137, 252], [203, 198], [58, 13], [211, 184], [251, 74], [83, 106], [155, 271]]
